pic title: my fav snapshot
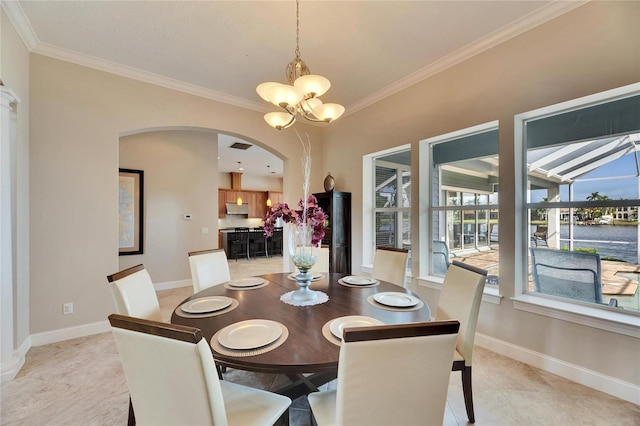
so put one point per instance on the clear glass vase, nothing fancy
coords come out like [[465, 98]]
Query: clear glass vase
[[304, 255]]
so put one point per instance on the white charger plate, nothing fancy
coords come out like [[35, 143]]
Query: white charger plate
[[250, 334], [396, 299], [246, 282], [339, 324], [316, 276], [206, 304], [359, 280]]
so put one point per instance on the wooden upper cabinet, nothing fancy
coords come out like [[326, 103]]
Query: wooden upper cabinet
[[222, 199], [257, 201]]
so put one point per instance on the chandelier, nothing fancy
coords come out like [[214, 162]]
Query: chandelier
[[301, 95]]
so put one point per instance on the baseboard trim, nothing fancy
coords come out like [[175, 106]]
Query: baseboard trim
[[167, 285], [59, 335], [598, 381]]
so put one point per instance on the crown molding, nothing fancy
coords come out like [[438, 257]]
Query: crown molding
[[144, 76], [20, 23], [546, 13], [524, 24]]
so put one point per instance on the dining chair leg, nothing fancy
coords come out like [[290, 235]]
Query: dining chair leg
[[468, 393], [131, 421]]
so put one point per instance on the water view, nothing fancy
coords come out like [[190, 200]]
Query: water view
[[611, 241]]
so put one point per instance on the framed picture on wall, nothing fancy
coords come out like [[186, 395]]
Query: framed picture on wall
[[130, 211]]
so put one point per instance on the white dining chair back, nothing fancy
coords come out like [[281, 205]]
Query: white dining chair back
[[390, 264], [321, 265], [134, 294], [460, 299], [390, 375], [208, 268], [173, 380]]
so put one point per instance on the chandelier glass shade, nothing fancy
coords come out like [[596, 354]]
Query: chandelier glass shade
[[300, 96]]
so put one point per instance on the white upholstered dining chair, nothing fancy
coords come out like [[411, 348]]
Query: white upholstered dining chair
[[208, 268], [390, 375], [460, 299], [321, 265], [134, 294], [172, 379], [390, 264]]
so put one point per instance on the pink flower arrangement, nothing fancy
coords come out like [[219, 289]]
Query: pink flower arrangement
[[315, 217]]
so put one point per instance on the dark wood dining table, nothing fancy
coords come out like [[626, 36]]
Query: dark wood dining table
[[306, 349]]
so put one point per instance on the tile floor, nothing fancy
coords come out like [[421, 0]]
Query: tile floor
[[80, 382]]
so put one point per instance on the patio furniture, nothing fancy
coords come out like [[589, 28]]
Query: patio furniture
[[172, 379], [390, 375], [460, 299], [208, 268], [539, 237], [440, 257], [390, 264], [570, 274]]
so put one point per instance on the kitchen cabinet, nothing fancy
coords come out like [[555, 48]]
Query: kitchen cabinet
[[257, 201], [337, 206]]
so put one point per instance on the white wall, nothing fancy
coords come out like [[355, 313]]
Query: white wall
[[14, 71], [180, 176], [77, 118], [591, 49]]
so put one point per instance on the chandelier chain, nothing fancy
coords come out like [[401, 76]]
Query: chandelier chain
[[297, 29]]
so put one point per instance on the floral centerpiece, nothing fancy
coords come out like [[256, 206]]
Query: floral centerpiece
[[307, 228], [314, 217]]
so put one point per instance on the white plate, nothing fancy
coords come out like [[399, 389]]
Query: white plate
[[206, 304], [246, 282], [339, 324], [250, 334], [398, 300], [316, 275], [359, 280]]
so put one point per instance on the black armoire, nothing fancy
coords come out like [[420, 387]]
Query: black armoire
[[337, 205]]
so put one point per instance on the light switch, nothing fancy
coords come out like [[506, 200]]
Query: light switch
[[204, 230], [187, 216]]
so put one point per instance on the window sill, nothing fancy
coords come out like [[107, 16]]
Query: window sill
[[616, 322], [491, 294]]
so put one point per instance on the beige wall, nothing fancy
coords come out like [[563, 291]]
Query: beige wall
[[181, 176], [14, 71], [78, 115], [591, 49]]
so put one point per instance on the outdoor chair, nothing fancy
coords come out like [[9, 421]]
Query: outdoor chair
[[440, 257], [172, 379], [208, 268], [539, 237], [390, 375], [460, 299], [390, 264], [570, 274]]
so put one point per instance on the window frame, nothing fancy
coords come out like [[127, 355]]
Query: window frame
[[619, 321], [426, 182]]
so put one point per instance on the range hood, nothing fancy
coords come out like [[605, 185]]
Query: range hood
[[233, 208]]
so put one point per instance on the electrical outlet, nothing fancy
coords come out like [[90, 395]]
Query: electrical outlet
[[67, 308]]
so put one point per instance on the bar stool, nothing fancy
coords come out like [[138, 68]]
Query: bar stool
[[239, 243]]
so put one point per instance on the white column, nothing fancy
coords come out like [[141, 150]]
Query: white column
[[10, 360]]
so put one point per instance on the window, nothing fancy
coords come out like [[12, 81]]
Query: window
[[464, 199], [392, 204], [581, 171]]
